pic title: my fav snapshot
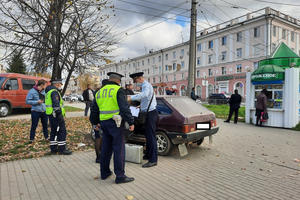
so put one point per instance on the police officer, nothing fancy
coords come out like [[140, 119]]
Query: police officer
[[110, 102], [56, 112], [148, 100]]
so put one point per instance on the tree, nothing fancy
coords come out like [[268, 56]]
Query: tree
[[57, 35], [17, 65]]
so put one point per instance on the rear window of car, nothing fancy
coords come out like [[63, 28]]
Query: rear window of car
[[27, 84], [186, 106], [2, 79], [162, 108]]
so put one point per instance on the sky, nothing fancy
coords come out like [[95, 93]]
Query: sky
[[144, 25]]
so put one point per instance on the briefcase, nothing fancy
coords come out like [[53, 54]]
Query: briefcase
[[134, 153]]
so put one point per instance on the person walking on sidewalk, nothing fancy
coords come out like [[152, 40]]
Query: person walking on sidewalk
[[234, 103], [88, 97], [261, 106], [56, 112], [148, 107], [110, 102], [36, 98]]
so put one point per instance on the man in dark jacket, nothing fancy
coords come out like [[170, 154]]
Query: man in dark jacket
[[129, 89], [109, 103], [56, 112], [261, 106], [88, 96], [193, 94], [234, 102]]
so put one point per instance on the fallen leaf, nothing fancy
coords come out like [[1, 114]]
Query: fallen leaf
[[23, 170], [264, 154], [59, 160], [297, 160], [261, 169], [96, 177], [217, 155], [129, 197], [269, 170], [243, 168], [251, 162]]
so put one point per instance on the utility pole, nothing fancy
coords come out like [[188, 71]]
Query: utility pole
[[192, 57]]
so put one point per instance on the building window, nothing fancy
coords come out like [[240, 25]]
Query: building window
[[209, 72], [182, 64], [274, 31], [148, 61], [210, 44], [239, 37], [182, 76], [223, 55], [160, 79], [224, 40], [238, 68], [210, 58], [143, 63], [239, 52], [167, 78], [256, 32], [292, 36], [174, 66], [138, 64], [174, 54], [153, 79], [198, 73], [255, 65], [153, 69], [148, 71], [223, 70], [174, 77], [159, 58], [199, 48], [159, 69], [283, 33], [256, 49], [182, 52], [166, 68], [167, 56], [198, 61], [153, 60]]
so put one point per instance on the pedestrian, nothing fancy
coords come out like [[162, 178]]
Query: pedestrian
[[56, 112], [98, 132], [193, 94], [261, 106], [36, 98], [109, 104], [88, 97], [148, 109], [129, 89], [234, 103]]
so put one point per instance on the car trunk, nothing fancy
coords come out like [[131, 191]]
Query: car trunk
[[191, 111]]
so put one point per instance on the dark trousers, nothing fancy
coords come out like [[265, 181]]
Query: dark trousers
[[258, 116], [234, 110], [150, 133], [112, 142], [35, 116], [87, 107], [58, 130]]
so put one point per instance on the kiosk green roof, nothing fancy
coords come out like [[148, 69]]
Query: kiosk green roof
[[268, 74], [283, 51]]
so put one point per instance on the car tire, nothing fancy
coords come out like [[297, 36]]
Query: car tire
[[4, 109], [164, 144], [199, 142]]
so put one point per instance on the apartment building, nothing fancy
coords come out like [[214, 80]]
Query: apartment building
[[225, 53]]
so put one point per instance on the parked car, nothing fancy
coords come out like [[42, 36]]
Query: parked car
[[73, 98], [13, 91], [218, 99], [178, 122]]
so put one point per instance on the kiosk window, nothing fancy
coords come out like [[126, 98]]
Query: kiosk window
[[11, 84], [274, 95]]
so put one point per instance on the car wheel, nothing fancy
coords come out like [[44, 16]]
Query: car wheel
[[164, 144], [4, 109], [199, 142]]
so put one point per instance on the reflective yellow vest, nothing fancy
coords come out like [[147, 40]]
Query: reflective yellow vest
[[107, 102], [48, 103]]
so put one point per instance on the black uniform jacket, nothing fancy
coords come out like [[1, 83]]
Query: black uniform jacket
[[123, 105], [235, 101]]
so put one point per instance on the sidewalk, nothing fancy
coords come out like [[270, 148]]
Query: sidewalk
[[221, 171]]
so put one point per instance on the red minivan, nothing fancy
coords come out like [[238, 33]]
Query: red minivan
[[13, 91]]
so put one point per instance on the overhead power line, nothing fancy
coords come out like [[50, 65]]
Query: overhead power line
[[277, 3], [161, 4]]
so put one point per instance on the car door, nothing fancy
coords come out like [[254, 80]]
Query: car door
[[27, 84], [10, 91]]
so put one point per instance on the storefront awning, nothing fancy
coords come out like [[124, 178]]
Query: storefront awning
[[268, 74]]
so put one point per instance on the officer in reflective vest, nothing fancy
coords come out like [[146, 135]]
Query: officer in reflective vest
[[56, 112], [109, 104]]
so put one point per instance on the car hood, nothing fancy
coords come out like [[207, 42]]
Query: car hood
[[191, 111]]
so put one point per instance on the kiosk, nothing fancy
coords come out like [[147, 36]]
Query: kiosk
[[280, 76]]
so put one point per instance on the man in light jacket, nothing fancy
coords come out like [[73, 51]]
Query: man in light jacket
[[36, 98]]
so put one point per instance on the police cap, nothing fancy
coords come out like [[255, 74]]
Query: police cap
[[53, 81], [115, 75], [135, 75]]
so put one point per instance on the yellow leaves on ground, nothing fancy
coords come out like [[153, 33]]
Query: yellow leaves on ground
[[14, 138]]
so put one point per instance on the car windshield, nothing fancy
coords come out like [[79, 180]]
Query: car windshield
[[186, 106], [2, 79]]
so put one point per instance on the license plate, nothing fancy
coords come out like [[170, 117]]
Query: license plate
[[203, 126]]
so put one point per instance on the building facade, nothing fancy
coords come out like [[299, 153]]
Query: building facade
[[224, 53]]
